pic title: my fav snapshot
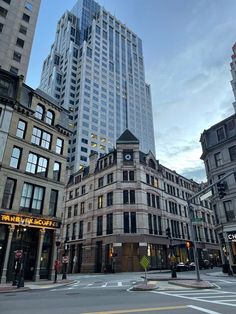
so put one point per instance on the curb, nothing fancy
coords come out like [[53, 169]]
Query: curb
[[210, 286], [15, 290], [57, 286], [148, 287]]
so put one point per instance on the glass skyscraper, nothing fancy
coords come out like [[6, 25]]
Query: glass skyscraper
[[96, 70]]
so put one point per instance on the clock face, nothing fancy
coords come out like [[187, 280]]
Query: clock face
[[128, 157]]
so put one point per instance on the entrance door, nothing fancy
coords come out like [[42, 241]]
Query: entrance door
[[80, 257], [98, 257]]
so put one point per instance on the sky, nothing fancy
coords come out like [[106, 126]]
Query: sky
[[187, 46]]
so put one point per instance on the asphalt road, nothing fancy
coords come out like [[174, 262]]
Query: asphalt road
[[109, 294]]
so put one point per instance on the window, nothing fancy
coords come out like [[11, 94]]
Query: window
[[23, 30], [41, 138], [39, 112], [59, 146], [8, 195], [100, 201], [232, 153], [53, 203], [128, 175], [83, 189], [69, 212], [100, 182], [56, 171], [25, 17], [29, 6], [229, 211], [14, 70], [81, 208], [220, 134], [16, 56], [81, 229], [20, 42], [109, 223], [74, 231], [37, 164], [75, 210], [32, 198], [150, 223], [99, 225], [15, 157], [3, 12], [109, 198], [49, 117], [130, 222], [109, 178], [218, 159]]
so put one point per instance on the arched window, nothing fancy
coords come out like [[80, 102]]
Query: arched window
[[152, 164], [50, 117], [39, 112]]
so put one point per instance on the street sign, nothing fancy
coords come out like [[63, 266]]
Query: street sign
[[197, 219], [145, 262], [206, 195], [65, 259], [18, 253]]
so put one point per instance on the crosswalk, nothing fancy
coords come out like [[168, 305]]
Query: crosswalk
[[205, 295], [98, 285]]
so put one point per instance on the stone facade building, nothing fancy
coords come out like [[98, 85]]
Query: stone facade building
[[219, 155], [17, 26], [120, 207], [33, 138]]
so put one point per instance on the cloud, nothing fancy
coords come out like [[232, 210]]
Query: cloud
[[197, 174], [191, 92]]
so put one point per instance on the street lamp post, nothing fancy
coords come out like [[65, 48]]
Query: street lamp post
[[20, 282]]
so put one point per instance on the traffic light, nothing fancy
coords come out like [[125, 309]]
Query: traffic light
[[168, 234], [221, 187]]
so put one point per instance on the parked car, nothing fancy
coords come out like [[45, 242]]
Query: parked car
[[204, 264], [192, 266], [181, 267]]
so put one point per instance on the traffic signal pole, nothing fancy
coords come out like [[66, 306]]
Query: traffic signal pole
[[190, 213], [195, 255]]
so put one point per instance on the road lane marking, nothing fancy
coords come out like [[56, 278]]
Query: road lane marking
[[165, 308], [202, 298], [119, 284], [202, 309]]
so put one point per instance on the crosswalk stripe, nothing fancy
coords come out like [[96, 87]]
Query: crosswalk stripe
[[119, 284]]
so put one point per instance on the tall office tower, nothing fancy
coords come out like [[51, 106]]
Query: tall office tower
[[96, 70], [17, 25], [233, 72]]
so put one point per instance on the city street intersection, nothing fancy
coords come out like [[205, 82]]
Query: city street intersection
[[111, 293]]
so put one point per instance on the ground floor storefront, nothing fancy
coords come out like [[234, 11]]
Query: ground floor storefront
[[123, 254], [227, 237], [27, 247]]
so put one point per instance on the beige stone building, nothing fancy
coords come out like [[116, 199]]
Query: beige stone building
[[17, 26], [219, 155], [120, 207], [32, 173]]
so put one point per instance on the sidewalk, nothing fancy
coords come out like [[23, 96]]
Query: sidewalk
[[219, 274], [33, 285]]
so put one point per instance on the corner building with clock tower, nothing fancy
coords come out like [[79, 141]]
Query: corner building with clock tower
[[120, 207]]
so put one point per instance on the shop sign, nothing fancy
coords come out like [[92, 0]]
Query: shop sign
[[29, 221], [232, 236]]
